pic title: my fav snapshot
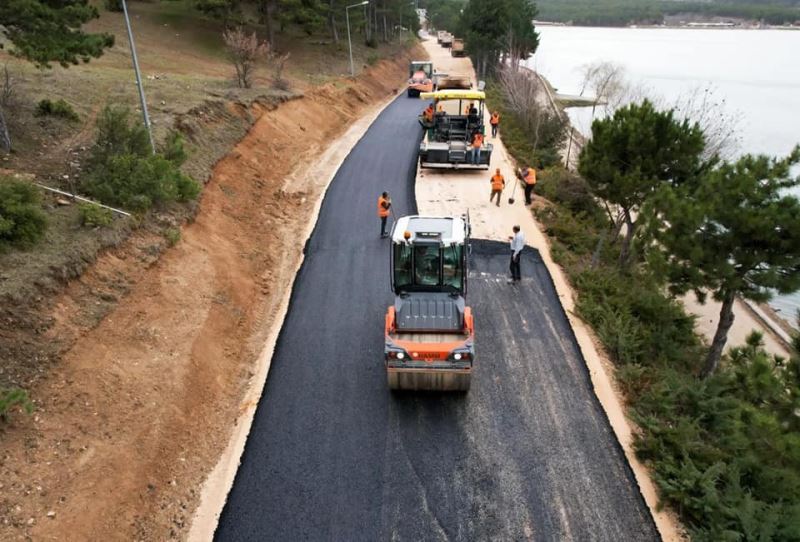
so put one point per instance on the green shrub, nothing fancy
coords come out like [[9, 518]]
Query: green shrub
[[59, 108], [11, 398], [373, 58], [173, 235], [569, 189], [113, 5], [726, 450], [93, 215], [123, 171], [173, 149], [22, 221]]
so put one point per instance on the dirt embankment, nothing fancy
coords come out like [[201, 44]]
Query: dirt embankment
[[138, 409]]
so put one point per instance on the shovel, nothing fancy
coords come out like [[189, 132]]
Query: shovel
[[511, 199]]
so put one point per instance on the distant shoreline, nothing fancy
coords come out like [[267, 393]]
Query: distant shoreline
[[687, 26]]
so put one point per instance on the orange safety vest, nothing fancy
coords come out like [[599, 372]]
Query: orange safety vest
[[383, 210], [478, 141], [495, 119], [530, 178], [498, 182]]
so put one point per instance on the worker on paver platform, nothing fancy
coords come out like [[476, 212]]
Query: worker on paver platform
[[495, 122], [384, 204], [475, 151], [517, 244], [428, 113], [498, 183], [528, 175]]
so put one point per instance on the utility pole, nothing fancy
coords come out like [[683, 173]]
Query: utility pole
[[349, 41], [138, 77]]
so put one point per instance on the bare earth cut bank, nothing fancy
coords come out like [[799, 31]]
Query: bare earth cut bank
[[141, 407]]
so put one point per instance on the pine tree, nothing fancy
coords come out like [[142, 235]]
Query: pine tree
[[45, 31], [736, 232], [632, 153]]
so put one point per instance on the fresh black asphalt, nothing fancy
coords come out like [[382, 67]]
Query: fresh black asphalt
[[527, 454]]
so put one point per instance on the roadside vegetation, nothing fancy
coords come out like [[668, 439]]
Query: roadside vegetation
[[626, 12], [720, 432], [656, 209]]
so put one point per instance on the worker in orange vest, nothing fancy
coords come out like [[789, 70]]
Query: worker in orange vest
[[384, 206], [529, 178], [428, 113], [495, 122], [475, 151], [498, 183]]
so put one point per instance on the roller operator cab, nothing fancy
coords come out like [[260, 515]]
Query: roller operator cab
[[429, 329], [459, 115]]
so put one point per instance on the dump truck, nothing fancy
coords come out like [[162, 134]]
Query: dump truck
[[447, 40], [457, 48], [420, 77], [439, 35], [453, 81], [429, 329], [450, 134]]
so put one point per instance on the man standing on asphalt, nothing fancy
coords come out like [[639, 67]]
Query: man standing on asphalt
[[384, 204], [498, 183], [529, 178], [517, 244]]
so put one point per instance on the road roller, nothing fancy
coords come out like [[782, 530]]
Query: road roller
[[429, 328]]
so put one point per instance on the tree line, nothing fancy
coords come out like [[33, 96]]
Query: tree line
[[624, 12], [376, 21]]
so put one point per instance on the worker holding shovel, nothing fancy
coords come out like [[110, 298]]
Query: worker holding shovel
[[384, 208]]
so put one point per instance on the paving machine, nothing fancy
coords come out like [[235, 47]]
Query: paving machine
[[420, 77], [450, 134], [429, 329]]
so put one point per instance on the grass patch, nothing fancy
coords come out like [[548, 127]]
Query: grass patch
[[14, 398], [93, 215]]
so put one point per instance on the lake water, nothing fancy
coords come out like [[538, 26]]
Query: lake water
[[756, 72]]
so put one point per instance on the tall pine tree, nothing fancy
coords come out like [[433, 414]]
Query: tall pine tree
[[734, 233], [635, 151]]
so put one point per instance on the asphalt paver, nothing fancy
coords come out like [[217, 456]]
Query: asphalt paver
[[333, 454]]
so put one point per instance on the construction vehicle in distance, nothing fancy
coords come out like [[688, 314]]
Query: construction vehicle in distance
[[453, 81], [457, 48], [429, 329], [439, 35], [450, 134], [420, 77], [447, 40]]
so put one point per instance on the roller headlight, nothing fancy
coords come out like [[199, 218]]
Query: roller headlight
[[457, 357], [400, 355]]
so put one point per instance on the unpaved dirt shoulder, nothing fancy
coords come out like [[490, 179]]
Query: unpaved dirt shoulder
[[139, 410], [437, 190]]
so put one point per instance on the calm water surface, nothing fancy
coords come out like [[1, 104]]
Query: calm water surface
[[756, 73]]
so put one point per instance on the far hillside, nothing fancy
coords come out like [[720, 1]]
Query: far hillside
[[626, 12]]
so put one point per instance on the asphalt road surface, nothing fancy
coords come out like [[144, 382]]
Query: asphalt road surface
[[334, 455]]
